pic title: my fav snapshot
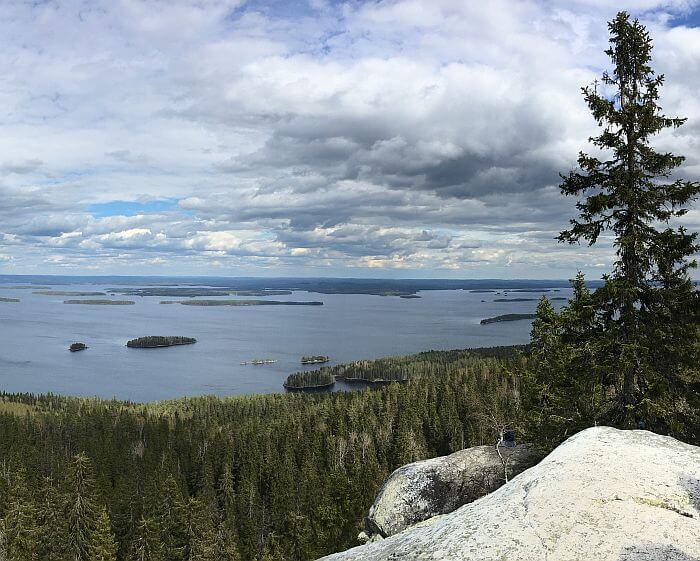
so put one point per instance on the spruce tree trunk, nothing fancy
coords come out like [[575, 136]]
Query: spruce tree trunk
[[630, 257]]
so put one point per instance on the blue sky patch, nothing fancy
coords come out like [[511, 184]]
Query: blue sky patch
[[131, 208], [689, 19]]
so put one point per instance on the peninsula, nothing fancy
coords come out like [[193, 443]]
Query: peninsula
[[318, 379]]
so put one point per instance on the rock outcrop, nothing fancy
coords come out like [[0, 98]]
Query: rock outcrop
[[418, 491], [604, 494]]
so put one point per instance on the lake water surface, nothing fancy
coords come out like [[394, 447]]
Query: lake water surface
[[35, 334]]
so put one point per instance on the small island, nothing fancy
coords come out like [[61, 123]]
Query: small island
[[3, 299], [75, 347], [314, 380], [315, 359], [409, 296], [506, 317], [515, 300], [157, 341], [101, 302]]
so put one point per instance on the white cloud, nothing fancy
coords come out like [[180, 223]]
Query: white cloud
[[406, 134]]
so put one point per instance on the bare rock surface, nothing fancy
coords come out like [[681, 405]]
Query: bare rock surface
[[421, 490], [604, 494]]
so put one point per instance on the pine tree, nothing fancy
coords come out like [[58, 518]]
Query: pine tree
[[632, 195], [102, 546]]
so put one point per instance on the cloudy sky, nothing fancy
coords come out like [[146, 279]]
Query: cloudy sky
[[403, 138]]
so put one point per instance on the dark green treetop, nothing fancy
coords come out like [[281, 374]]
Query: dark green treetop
[[647, 304]]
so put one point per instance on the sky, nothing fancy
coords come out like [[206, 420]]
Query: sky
[[393, 138]]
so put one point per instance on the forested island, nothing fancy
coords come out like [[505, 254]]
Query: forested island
[[192, 292], [515, 300], [154, 341], [533, 290], [261, 292], [75, 347], [314, 359], [242, 303], [101, 302], [506, 317], [4, 299]]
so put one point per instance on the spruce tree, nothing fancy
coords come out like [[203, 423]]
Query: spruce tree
[[3, 542], [102, 546], [170, 520], [53, 528], [146, 546], [20, 524], [82, 511], [201, 534], [647, 303]]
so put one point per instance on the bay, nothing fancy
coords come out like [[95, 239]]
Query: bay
[[36, 332]]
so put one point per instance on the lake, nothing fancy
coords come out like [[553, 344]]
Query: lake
[[36, 332]]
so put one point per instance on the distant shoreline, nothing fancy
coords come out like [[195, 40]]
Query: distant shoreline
[[101, 302], [264, 286]]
